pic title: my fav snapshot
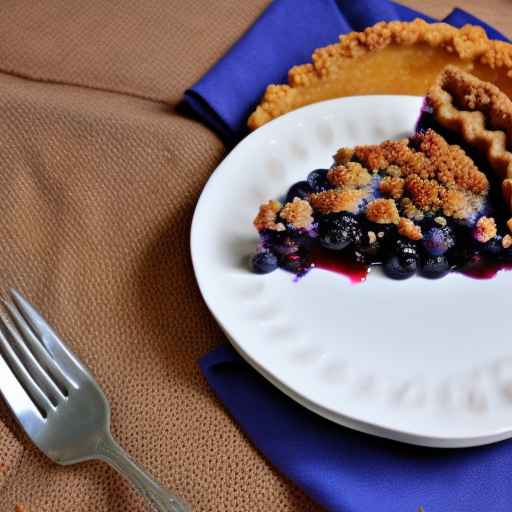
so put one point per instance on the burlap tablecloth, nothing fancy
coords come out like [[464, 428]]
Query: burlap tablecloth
[[98, 177]]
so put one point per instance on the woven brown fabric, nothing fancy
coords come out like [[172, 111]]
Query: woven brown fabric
[[98, 182]]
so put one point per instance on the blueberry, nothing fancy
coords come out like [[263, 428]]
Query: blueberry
[[428, 222], [384, 232], [493, 246], [396, 268], [264, 262], [339, 230], [506, 255], [434, 267], [465, 249], [289, 241], [268, 237], [438, 240], [286, 245], [368, 248], [302, 238], [299, 263], [301, 189], [406, 250], [317, 180], [401, 261]]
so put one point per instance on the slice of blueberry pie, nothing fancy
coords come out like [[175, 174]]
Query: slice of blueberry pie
[[437, 202]]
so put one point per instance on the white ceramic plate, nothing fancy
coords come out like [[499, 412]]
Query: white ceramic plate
[[419, 361]]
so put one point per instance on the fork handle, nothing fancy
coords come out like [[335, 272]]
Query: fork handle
[[161, 499]]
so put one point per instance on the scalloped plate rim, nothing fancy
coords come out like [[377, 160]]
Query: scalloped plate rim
[[373, 428]]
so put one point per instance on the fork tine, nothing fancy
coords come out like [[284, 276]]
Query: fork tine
[[41, 401], [22, 406], [39, 375], [38, 351], [70, 364]]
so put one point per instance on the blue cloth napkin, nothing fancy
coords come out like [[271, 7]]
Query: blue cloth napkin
[[346, 471], [341, 469], [284, 35]]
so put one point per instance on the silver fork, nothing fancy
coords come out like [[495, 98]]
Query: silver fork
[[59, 404]]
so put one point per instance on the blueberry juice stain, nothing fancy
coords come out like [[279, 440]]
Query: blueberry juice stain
[[340, 264], [357, 273], [484, 269]]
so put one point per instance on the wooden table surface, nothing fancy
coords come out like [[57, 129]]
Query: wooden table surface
[[497, 13]]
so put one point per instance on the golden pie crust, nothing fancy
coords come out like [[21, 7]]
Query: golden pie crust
[[389, 58], [480, 114]]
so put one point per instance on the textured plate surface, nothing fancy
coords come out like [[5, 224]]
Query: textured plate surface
[[419, 361]]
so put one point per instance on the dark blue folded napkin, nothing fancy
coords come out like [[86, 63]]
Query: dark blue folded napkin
[[346, 471], [341, 469], [284, 35]]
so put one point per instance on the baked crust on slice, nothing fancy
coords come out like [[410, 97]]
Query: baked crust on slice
[[388, 58], [481, 114]]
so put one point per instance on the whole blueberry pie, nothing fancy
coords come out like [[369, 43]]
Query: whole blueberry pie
[[397, 57], [436, 202]]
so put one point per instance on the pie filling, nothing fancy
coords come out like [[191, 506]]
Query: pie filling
[[426, 205]]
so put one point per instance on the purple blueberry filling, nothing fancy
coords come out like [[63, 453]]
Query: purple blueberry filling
[[442, 248]]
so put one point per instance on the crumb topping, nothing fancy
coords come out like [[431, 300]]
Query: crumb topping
[[409, 179], [332, 201], [267, 216], [343, 155], [375, 156], [411, 211], [485, 229], [383, 211], [506, 242], [452, 166], [469, 43], [392, 186], [424, 193], [407, 228], [427, 174], [351, 174], [434, 159], [298, 213], [394, 171], [456, 204]]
